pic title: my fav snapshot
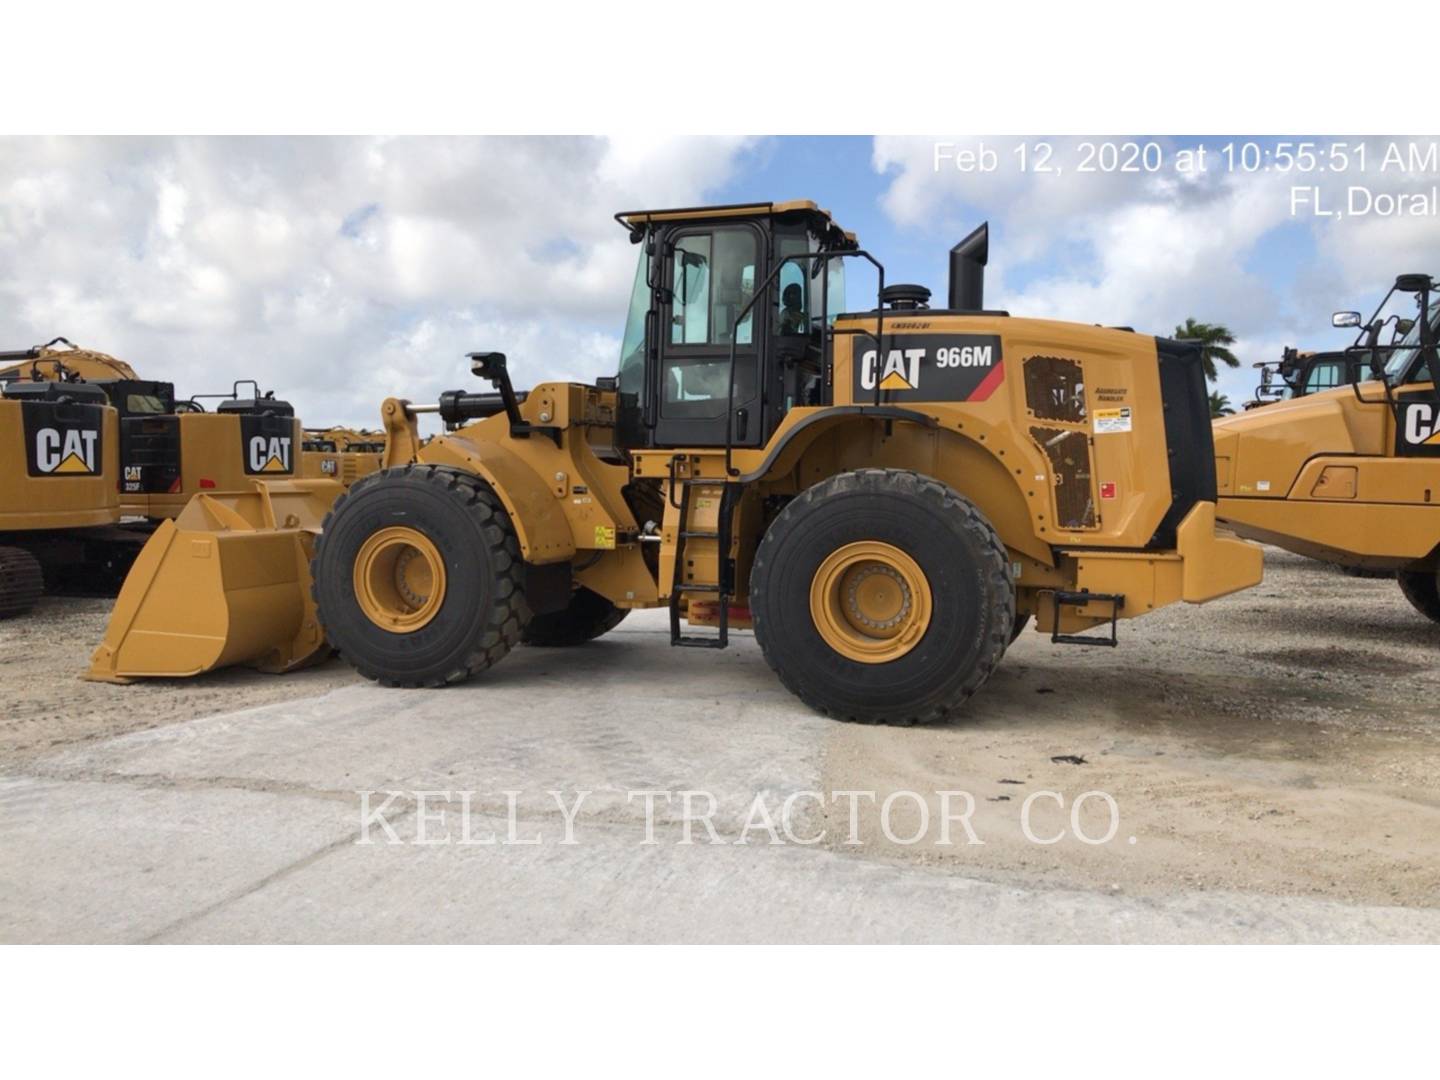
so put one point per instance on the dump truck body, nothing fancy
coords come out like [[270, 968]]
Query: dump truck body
[[1351, 475]]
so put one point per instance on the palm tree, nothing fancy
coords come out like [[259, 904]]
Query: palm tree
[[1219, 405], [1212, 338]]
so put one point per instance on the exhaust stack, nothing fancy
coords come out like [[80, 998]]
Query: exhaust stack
[[967, 270]]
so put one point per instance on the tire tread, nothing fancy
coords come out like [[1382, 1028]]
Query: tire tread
[[509, 612], [951, 503]]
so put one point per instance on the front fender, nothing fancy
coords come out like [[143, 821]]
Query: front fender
[[540, 523]]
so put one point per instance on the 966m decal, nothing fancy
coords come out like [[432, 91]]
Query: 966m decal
[[928, 367]]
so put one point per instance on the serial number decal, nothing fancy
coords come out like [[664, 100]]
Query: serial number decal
[[1112, 421], [928, 367]]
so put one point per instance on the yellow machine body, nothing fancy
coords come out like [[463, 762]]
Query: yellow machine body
[[1320, 476], [1078, 444], [341, 454], [218, 452], [47, 363], [59, 497], [54, 473]]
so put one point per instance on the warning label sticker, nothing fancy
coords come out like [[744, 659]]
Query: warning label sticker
[[604, 537], [1112, 421]]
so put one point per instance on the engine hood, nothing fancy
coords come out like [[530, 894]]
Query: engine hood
[[1259, 453]]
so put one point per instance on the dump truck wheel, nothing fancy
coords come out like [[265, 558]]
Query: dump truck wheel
[[1422, 589], [1021, 622], [882, 596], [418, 578], [21, 581], [588, 616]]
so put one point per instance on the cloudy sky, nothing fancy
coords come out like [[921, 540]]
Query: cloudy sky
[[340, 271]]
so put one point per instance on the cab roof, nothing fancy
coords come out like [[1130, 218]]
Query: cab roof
[[636, 220]]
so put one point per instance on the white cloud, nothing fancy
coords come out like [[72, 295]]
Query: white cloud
[[1149, 250], [335, 271]]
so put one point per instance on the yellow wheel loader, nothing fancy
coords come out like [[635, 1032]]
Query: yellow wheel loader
[[1351, 475], [59, 493], [884, 495]]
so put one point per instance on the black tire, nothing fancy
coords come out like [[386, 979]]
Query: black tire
[[483, 611], [1422, 589], [22, 581], [1021, 622], [965, 566], [588, 616]]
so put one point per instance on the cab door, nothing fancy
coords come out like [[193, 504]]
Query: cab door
[[710, 274]]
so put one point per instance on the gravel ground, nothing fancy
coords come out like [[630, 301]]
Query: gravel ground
[[1282, 742], [48, 705]]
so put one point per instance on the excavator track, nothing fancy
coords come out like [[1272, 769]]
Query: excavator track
[[21, 581]]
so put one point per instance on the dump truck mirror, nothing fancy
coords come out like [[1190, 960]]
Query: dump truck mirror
[[1403, 327], [1342, 319], [488, 365]]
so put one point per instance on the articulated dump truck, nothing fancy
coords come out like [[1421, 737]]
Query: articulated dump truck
[[1351, 475], [885, 495]]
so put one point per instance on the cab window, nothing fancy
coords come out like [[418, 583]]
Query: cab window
[[792, 313], [1325, 375], [713, 278], [144, 403], [632, 347]]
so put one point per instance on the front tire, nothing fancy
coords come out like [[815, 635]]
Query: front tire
[[418, 578], [882, 596], [1422, 589]]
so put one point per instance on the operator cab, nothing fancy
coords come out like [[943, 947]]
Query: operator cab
[[1398, 343], [694, 304]]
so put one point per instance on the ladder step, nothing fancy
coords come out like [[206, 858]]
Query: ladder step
[[691, 642], [700, 535], [697, 588]]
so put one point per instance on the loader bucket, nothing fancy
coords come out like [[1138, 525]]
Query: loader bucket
[[226, 582]]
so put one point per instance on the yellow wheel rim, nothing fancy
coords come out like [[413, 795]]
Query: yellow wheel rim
[[870, 601], [399, 579]]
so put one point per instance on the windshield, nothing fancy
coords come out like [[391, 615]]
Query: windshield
[[632, 347], [1407, 344]]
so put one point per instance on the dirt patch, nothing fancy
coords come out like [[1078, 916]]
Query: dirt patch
[[1332, 659], [47, 704], [1280, 741]]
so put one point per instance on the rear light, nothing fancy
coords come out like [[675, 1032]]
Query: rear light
[[205, 482]]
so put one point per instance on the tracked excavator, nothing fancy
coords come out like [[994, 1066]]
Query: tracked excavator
[[59, 493]]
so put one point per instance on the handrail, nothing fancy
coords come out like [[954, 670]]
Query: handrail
[[763, 290]]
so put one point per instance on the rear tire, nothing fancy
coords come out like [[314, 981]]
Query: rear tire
[[22, 581], [460, 605], [588, 616], [964, 586], [1422, 589]]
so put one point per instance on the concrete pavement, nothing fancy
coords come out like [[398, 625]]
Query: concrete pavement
[[243, 827]]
